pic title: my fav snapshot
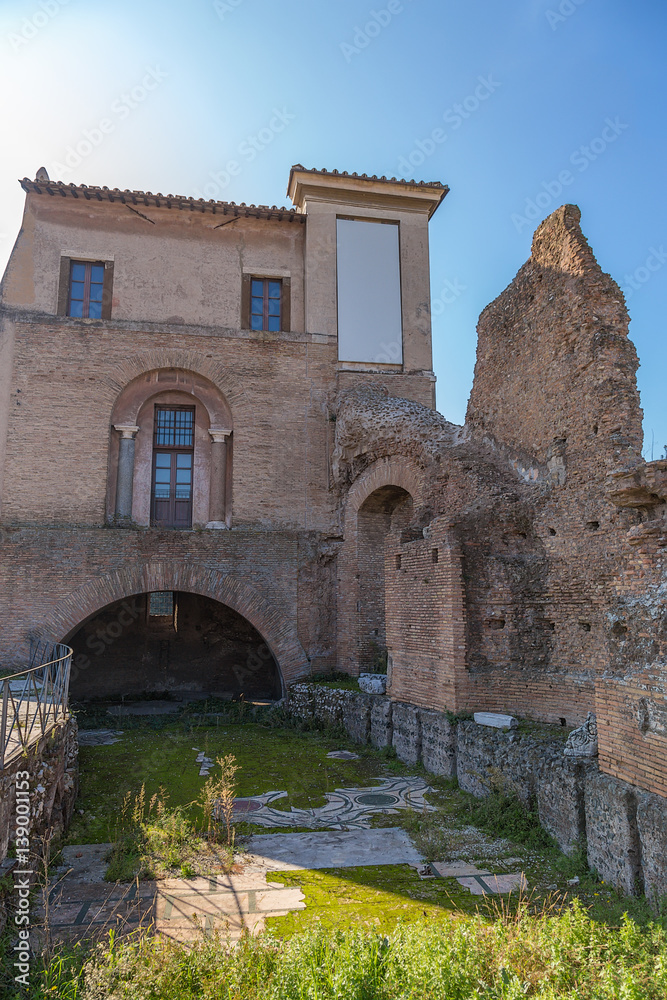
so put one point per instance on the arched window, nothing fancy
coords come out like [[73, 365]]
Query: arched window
[[170, 453]]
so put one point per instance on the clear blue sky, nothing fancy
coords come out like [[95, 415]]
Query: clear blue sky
[[185, 87]]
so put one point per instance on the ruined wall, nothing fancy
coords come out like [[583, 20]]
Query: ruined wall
[[631, 696], [52, 764], [553, 411], [623, 827]]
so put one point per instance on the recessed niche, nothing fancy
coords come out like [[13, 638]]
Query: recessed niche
[[434, 555], [562, 721], [552, 531], [618, 630], [595, 428], [496, 622], [592, 525], [586, 626], [398, 562], [549, 625]]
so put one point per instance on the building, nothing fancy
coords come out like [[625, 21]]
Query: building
[[221, 468]]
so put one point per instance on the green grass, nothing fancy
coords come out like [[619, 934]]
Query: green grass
[[563, 956], [270, 760], [376, 897]]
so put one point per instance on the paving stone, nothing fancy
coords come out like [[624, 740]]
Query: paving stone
[[294, 851]]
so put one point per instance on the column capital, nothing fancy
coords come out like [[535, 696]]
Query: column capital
[[219, 433], [126, 430]]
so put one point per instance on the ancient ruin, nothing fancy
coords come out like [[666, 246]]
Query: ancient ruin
[[221, 472]]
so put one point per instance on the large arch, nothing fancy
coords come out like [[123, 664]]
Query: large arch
[[159, 575]]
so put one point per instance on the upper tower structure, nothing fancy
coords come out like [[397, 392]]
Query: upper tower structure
[[367, 266]]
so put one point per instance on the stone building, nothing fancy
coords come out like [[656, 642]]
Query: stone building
[[221, 468]]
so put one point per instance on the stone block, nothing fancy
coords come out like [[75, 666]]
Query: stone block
[[652, 826], [495, 760], [611, 828], [301, 701], [560, 800], [406, 738], [495, 720], [357, 717], [381, 721], [438, 743]]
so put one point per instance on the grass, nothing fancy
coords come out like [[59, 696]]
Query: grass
[[553, 956], [269, 759]]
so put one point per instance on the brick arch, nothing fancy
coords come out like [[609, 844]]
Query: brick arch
[[403, 476], [393, 471], [160, 574], [217, 372]]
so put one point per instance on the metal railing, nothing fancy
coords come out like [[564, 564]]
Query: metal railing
[[33, 700]]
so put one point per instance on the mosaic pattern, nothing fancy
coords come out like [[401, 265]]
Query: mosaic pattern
[[346, 808]]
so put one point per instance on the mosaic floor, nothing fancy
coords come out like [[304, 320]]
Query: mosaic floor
[[346, 808]]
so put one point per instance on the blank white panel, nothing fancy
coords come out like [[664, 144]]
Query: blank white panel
[[369, 292]]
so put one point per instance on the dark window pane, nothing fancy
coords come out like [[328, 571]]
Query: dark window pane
[[161, 603], [95, 310], [76, 309], [77, 290], [257, 306], [163, 461], [97, 273], [96, 292], [274, 307], [257, 287], [274, 324], [274, 289], [78, 272], [256, 323], [184, 461]]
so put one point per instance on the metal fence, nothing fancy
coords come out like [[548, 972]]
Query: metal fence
[[34, 700]]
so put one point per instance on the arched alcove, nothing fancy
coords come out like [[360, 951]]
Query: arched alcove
[[134, 447], [171, 642]]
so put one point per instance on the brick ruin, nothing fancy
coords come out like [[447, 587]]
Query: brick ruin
[[513, 564]]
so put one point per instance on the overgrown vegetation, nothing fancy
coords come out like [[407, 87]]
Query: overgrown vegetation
[[153, 840], [553, 956]]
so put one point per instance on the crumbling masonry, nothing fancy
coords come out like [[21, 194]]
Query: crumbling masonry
[[514, 564]]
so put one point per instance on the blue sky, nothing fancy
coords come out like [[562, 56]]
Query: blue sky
[[162, 96]]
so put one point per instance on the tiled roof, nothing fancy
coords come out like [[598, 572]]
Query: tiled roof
[[147, 198], [373, 177]]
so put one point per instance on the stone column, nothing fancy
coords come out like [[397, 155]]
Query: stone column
[[125, 477], [217, 505]]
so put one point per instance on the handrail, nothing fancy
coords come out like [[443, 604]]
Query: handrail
[[33, 701]]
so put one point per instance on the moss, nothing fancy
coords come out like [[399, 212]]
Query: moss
[[269, 759], [376, 897]]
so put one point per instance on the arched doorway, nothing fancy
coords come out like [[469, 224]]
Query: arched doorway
[[387, 509], [175, 642]]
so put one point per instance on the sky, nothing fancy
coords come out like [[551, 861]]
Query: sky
[[518, 106]]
